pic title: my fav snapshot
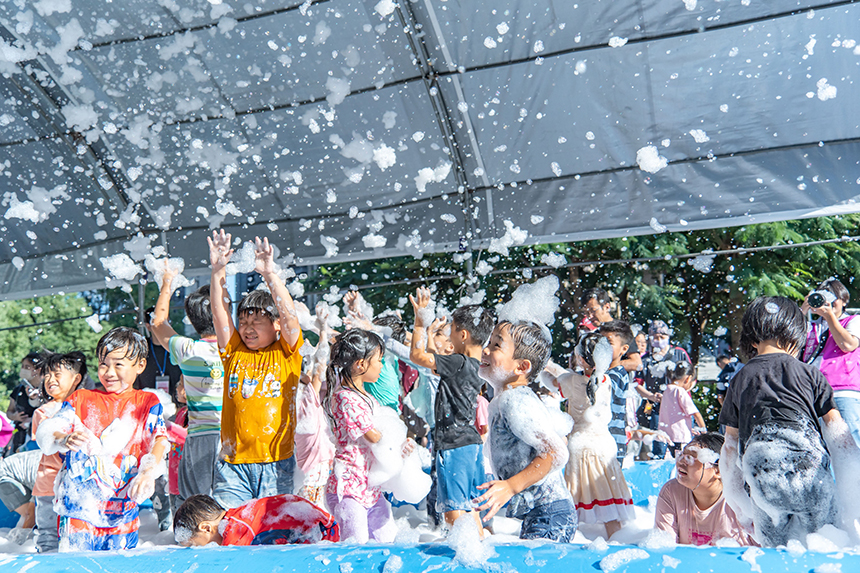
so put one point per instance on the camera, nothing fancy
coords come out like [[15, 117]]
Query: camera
[[816, 299]]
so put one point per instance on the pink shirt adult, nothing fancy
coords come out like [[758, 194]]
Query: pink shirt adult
[[313, 443], [676, 407], [677, 511]]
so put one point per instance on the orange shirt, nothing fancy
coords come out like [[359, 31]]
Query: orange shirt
[[258, 420]]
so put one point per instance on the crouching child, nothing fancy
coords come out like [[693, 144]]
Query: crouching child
[[112, 442], [527, 441], [276, 520]]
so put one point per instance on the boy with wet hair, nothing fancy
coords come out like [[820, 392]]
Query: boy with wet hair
[[456, 442], [113, 443], [262, 365], [775, 466], [620, 337], [527, 440], [277, 520], [203, 376]]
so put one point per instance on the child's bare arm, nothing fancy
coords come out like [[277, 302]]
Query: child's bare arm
[[222, 309], [373, 435], [700, 421], [143, 485], [418, 352], [290, 327], [161, 329], [500, 492]]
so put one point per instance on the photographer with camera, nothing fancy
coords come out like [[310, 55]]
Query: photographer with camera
[[833, 344]]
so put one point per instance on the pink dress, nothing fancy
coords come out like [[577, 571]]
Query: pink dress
[[676, 407], [352, 413]]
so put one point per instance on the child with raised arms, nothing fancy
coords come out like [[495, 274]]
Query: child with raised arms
[[262, 365], [113, 443], [457, 444], [62, 374], [203, 384], [527, 440]]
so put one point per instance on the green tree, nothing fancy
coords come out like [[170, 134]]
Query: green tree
[[18, 337]]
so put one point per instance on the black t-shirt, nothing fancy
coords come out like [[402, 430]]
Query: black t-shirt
[[22, 402], [776, 388], [655, 370], [157, 363], [725, 376], [456, 402]]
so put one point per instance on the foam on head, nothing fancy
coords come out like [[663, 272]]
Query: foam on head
[[532, 302]]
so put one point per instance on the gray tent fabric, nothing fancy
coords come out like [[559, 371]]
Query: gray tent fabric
[[347, 129]]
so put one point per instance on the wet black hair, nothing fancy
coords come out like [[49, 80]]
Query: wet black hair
[[74, 362], [258, 301], [724, 357], [198, 309], [773, 318], [681, 370], [478, 321], [348, 348], [837, 288], [711, 441], [135, 345], [621, 329], [35, 358], [395, 323], [194, 511], [598, 294], [531, 343], [585, 346]]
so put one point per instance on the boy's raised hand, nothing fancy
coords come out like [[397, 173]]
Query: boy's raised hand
[[219, 249], [265, 254], [420, 301]]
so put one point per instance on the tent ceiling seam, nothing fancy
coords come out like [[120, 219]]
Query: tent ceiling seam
[[687, 160], [242, 19]]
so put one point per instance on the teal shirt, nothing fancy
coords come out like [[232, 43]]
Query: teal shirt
[[386, 389]]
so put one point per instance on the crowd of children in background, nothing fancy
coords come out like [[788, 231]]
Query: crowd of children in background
[[507, 427]]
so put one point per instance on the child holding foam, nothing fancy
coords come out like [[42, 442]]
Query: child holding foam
[[62, 374], [276, 520], [262, 365], [526, 442], [114, 442], [360, 509]]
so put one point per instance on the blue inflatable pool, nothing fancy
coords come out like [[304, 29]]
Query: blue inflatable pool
[[428, 558]]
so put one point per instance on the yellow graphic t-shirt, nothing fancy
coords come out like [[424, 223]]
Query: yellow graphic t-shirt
[[258, 421]]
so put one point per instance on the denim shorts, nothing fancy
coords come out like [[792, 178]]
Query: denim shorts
[[459, 472], [236, 484], [555, 521]]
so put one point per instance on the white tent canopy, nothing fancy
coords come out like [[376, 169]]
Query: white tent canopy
[[348, 130]]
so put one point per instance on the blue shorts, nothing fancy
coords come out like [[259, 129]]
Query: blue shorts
[[459, 472], [556, 521], [236, 484]]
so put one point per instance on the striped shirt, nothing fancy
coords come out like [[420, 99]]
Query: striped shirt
[[204, 382], [618, 425]]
